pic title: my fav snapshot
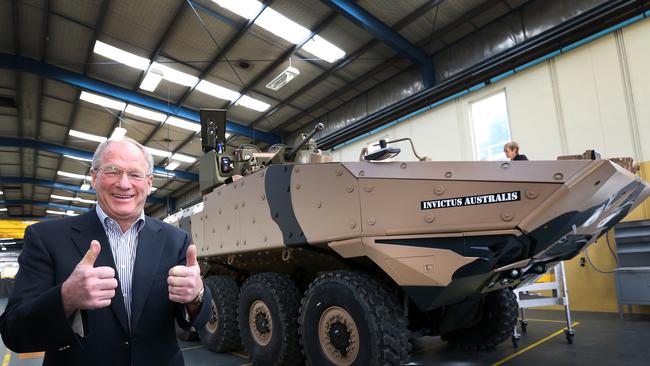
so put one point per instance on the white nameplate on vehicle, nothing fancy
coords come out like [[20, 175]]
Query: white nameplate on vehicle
[[481, 199]]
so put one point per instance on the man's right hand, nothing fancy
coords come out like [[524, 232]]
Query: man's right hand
[[88, 287]]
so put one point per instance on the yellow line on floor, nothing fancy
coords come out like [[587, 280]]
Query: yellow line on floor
[[25, 356], [247, 364], [191, 348], [239, 355], [532, 346], [428, 348], [7, 358], [546, 320]]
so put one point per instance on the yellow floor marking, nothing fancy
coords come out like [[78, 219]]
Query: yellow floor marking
[[428, 348], [25, 356], [247, 364], [532, 346], [546, 320], [191, 348], [7, 358], [239, 355]]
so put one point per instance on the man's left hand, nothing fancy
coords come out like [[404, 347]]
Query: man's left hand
[[185, 281]]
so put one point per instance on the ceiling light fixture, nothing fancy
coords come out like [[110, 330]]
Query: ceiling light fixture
[[102, 101], [85, 186], [173, 164], [244, 8], [151, 80], [285, 76], [121, 56], [86, 136], [55, 212], [3, 209], [73, 175], [252, 103], [323, 49], [75, 199], [145, 113], [216, 91], [182, 123]]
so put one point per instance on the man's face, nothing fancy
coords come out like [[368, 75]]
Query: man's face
[[120, 192], [509, 153]]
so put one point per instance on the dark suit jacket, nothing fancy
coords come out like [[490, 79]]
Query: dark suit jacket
[[34, 319], [520, 157]]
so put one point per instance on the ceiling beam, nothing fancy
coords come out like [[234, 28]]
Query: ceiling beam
[[381, 31], [14, 62], [64, 150]]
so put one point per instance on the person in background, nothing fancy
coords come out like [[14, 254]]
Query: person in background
[[105, 288], [512, 151]]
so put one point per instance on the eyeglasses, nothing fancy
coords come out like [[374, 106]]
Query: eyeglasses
[[113, 172]]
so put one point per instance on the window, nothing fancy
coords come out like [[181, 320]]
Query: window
[[490, 126]]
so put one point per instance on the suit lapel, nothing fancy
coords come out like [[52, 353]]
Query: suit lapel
[[88, 229], [147, 260]]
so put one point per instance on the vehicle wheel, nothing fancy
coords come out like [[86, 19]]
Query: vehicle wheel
[[498, 319], [348, 318], [186, 335], [268, 312], [221, 332]]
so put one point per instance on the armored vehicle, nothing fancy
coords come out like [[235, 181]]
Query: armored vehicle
[[340, 263]]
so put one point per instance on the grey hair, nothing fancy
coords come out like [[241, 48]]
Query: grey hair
[[97, 156], [512, 146]]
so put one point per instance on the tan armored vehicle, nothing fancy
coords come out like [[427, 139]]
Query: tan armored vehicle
[[321, 263]]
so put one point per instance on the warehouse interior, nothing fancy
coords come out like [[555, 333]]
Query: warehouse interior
[[460, 78]]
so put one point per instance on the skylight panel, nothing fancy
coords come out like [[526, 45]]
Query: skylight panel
[[77, 158], [217, 91], [151, 80], [118, 133], [253, 103], [164, 154], [87, 136], [73, 175], [184, 124], [145, 113], [102, 101], [282, 26], [121, 56], [244, 8], [175, 76], [322, 48], [184, 158], [172, 165]]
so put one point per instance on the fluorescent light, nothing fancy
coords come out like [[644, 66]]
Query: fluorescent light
[[164, 175], [102, 101], [73, 175], [1, 192], [216, 91], [228, 134], [157, 152], [184, 158], [182, 123], [71, 213], [244, 8], [7, 238], [151, 80], [173, 165], [75, 199], [153, 189], [252, 103], [145, 113], [282, 26], [322, 48], [87, 136], [55, 212], [77, 158], [118, 133], [85, 187], [121, 56], [175, 76], [3, 209]]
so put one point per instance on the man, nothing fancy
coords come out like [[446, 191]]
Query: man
[[104, 288], [512, 151]]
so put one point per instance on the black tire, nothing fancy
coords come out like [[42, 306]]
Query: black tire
[[221, 333], [271, 337], [348, 318], [186, 335], [498, 319]]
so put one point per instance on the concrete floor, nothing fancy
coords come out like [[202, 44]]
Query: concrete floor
[[601, 339]]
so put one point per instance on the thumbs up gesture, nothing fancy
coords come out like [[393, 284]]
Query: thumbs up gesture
[[88, 287], [185, 281]]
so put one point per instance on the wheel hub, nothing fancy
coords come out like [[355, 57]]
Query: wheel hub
[[339, 336], [260, 323], [213, 322]]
